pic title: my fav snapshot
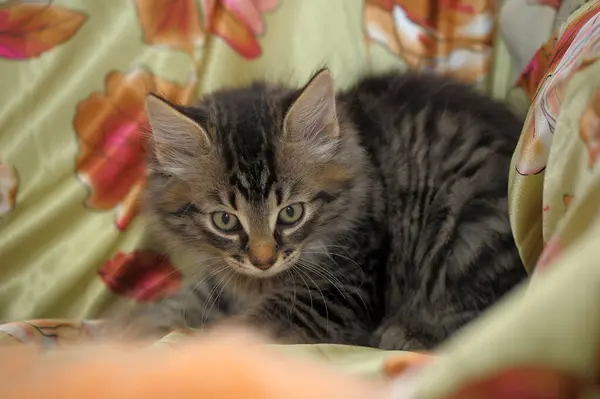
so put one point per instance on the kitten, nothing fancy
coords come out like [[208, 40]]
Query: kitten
[[377, 216]]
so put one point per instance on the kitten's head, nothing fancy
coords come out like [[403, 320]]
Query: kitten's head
[[259, 179]]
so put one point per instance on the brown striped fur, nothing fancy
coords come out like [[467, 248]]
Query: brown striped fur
[[405, 236]]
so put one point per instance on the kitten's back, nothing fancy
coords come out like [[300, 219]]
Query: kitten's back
[[442, 153]]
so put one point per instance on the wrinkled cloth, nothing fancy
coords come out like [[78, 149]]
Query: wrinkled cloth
[[74, 77], [543, 341]]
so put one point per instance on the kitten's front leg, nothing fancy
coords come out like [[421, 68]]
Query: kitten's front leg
[[419, 331], [307, 317], [393, 336], [193, 307]]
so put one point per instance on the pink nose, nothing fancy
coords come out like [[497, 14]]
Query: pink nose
[[263, 264], [262, 255]]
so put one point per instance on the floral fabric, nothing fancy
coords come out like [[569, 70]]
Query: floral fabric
[[449, 37], [543, 342], [73, 130]]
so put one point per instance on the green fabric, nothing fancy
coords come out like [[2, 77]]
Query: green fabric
[[74, 74], [542, 341]]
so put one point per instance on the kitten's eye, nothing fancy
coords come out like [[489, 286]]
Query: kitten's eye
[[224, 221], [185, 210], [291, 214]]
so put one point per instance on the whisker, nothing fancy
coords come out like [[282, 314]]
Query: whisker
[[322, 296], [293, 269], [217, 298], [289, 272], [330, 278], [209, 300], [333, 280]]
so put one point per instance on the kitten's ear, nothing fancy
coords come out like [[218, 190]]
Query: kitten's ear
[[312, 117], [174, 135]]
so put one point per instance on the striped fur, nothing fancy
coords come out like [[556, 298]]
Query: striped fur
[[406, 235]]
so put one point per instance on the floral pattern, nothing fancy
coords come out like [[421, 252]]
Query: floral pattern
[[581, 38], [110, 126], [8, 188], [172, 23], [177, 23], [450, 37], [49, 333], [143, 276], [399, 364], [28, 30], [589, 128], [238, 22], [535, 382], [551, 3], [567, 200], [552, 251]]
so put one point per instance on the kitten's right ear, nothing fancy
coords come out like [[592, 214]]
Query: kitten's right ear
[[174, 135], [312, 118]]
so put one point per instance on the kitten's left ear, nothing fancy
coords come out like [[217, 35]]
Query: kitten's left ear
[[313, 117]]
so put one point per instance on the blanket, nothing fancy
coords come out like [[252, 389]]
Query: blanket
[[74, 75], [543, 341]]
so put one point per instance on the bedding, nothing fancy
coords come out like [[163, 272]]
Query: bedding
[[541, 342], [74, 74]]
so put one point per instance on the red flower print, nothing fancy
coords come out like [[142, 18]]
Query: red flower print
[[550, 55], [109, 125], [551, 252], [589, 128], [551, 3], [8, 188], [143, 276], [28, 30], [537, 70], [523, 383], [177, 23], [172, 23]]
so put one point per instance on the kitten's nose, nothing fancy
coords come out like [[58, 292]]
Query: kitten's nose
[[262, 255]]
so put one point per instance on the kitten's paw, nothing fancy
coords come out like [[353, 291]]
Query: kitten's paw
[[395, 337]]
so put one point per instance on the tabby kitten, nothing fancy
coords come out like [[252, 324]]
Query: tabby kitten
[[377, 216]]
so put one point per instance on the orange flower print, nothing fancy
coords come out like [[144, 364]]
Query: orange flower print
[[524, 383], [172, 23], [177, 23], [27, 29], [238, 22], [578, 42], [589, 128], [534, 144], [143, 276], [8, 188], [453, 38], [567, 200], [399, 364], [109, 126]]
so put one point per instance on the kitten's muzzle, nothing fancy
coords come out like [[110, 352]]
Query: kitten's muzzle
[[263, 255]]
